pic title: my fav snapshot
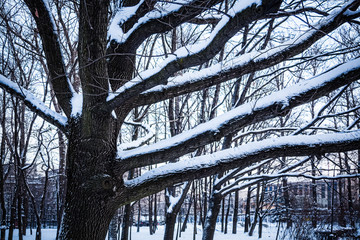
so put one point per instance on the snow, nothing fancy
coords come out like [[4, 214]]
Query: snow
[[115, 32], [46, 234], [238, 153], [32, 100], [283, 97], [181, 52], [76, 103], [237, 62], [269, 232]]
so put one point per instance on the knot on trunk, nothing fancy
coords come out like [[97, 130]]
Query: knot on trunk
[[100, 183]]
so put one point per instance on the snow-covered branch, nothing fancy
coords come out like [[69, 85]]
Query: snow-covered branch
[[242, 156], [252, 180], [239, 16], [283, 129], [176, 202], [159, 20], [265, 108], [34, 104], [245, 64], [234, 186]]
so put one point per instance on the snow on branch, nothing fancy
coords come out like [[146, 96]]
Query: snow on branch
[[166, 16], [34, 104], [139, 142], [243, 156], [123, 14], [275, 104], [285, 129], [244, 64], [266, 177], [191, 55]]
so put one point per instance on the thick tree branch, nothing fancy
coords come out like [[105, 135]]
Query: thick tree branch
[[243, 156], [126, 37], [150, 25], [276, 104], [50, 40], [34, 104], [194, 55], [244, 64]]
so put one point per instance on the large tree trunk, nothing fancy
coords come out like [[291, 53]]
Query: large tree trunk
[[93, 189], [89, 205]]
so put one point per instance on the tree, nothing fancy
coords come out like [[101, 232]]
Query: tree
[[111, 86]]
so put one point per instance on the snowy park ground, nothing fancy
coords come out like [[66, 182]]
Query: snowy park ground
[[269, 232]]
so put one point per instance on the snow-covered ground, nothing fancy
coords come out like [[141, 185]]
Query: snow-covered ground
[[268, 233], [46, 234]]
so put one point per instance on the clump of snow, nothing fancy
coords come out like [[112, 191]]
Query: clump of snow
[[76, 103]]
